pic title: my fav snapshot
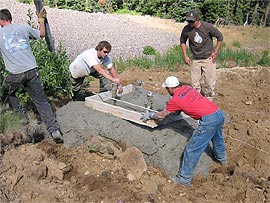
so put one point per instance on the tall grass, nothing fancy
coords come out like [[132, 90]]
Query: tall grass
[[238, 57], [173, 59], [9, 120]]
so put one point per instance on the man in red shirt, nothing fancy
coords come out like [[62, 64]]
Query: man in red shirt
[[211, 119]]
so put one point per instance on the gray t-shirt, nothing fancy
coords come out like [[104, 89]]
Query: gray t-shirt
[[15, 47], [201, 39]]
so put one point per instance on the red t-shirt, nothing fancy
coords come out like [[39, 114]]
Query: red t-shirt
[[191, 102]]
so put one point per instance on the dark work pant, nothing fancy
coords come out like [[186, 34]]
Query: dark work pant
[[104, 83], [32, 83]]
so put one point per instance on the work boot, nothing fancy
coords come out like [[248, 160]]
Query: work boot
[[78, 96], [57, 136], [176, 180], [223, 163]]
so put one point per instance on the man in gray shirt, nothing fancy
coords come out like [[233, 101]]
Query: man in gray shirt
[[200, 35], [22, 69]]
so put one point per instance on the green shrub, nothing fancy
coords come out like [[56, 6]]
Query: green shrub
[[25, 1], [148, 50], [265, 60], [236, 44], [53, 68], [80, 5], [126, 11]]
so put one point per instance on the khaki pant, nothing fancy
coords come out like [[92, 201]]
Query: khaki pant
[[206, 68]]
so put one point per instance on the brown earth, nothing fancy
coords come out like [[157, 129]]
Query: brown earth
[[46, 172]]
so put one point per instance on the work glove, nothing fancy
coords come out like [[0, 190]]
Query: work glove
[[42, 15], [147, 116]]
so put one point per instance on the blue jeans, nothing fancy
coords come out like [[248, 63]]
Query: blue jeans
[[32, 83], [209, 129]]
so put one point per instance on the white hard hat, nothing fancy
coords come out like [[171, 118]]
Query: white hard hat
[[171, 81]]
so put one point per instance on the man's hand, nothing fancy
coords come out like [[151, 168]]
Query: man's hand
[[214, 57], [42, 15], [120, 89], [187, 60], [147, 116], [116, 80]]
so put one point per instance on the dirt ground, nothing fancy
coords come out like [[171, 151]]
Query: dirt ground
[[45, 172], [111, 173]]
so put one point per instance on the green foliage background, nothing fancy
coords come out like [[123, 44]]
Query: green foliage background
[[235, 12]]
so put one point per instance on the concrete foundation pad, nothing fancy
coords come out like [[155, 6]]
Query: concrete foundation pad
[[162, 145]]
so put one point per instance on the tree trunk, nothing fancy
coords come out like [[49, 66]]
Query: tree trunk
[[254, 14], [266, 14], [228, 9]]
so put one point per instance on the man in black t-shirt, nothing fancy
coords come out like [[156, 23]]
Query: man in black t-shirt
[[200, 35]]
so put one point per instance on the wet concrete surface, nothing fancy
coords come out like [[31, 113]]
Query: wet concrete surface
[[162, 146]]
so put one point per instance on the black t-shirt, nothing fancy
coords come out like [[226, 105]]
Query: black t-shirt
[[201, 39]]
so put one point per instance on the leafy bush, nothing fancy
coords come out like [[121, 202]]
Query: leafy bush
[[236, 44], [126, 11], [265, 60], [148, 50], [53, 68]]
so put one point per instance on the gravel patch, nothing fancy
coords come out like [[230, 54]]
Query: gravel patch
[[78, 31]]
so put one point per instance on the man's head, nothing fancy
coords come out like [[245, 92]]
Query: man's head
[[192, 17], [171, 83], [103, 48], [5, 16]]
